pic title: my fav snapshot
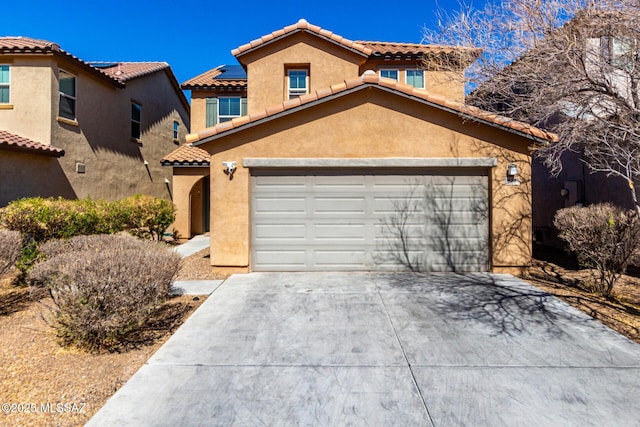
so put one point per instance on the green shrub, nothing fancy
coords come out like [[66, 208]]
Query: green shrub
[[604, 238], [43, 219], [103, 287], [147, 216], [10, 247]]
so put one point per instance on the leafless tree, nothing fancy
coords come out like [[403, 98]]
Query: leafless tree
[[569, 66]]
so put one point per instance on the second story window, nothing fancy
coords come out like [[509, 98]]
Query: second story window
[[297, 82], [389, 74], [228, 108], [136, 115], [415, 78], [619, 52], [67, 101], [176, 130], [4, 84]]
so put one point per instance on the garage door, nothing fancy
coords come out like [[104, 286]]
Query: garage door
[[369, 220]]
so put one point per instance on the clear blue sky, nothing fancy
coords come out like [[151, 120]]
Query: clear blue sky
[[194, 35]]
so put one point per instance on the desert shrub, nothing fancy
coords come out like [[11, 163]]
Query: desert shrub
[[10, 247], [604, 238], [44, 219], [147, 216], [103, 288]]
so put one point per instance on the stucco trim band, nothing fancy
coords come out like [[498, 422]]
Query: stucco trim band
[[396, 162]]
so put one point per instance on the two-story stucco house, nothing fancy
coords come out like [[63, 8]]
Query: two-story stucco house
[[76, 129], [351, 156]]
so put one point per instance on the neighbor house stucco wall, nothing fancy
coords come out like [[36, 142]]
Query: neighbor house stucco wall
[[36, 175], [101, 139], [33, 92], [367, 124]]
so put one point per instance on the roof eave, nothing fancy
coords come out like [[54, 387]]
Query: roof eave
[[287, 111]]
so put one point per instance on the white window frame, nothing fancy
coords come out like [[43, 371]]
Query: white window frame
[[397, 71], [138, 122], [297, 92], [406, 77], [7, 84], [228, 117], [67, 96]]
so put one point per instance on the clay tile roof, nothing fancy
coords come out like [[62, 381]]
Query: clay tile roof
[[17, 143], [391, 48], [302, 25], [186, 155], [26, 45], [369, 78], [125, 71], [221, 76]]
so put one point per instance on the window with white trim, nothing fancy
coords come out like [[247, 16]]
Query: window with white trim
[[389, 74], [229, 108], [297, 82], [136, 120], [619, 52], [5, 97], [415, 78], [67, 100]]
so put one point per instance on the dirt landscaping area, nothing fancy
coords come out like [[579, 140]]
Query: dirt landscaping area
[[44, 384]]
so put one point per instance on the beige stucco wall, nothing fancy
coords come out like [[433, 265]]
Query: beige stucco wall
[[31, 175], [100, 136], [185, 180], [329, 64], [114, 164], [370, 123], [32, 88]]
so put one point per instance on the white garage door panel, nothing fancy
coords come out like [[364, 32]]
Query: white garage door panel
[[353, 220]]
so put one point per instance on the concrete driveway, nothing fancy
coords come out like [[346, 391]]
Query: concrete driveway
[[316, 349]]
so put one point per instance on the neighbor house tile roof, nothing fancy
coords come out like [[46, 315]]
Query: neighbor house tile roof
[[125, 71], [371, 78], [214, 78], [26, 45], [303, 25], [186, 155], [18, 143]]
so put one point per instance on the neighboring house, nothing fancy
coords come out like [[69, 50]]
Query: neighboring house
[[603, 69], [353, 156], [75, 129]]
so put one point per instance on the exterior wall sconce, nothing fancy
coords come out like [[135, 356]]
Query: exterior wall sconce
[[512, 175], [229, 169]]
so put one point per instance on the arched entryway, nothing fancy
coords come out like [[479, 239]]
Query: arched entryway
[[199, 207]]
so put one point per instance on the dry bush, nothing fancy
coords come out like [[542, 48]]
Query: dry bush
[[104, 288], [10, 246], [605, 238]]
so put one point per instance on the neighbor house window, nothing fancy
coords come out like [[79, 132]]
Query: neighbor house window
[[4, 84], [297, 82], [619, 52], [67, 102], [136, 114], [415, 78], [389, 74], [176, 129], [229, 108]]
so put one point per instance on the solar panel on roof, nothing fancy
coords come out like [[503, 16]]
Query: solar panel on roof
[[103, 64], [231, 72]]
